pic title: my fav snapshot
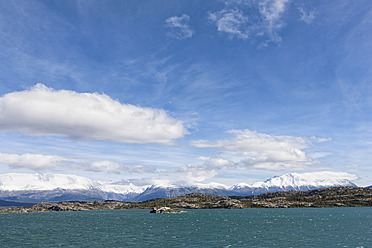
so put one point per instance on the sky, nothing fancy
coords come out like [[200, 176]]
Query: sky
[[186, 92]]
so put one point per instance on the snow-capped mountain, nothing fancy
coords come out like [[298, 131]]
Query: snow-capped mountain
[[297, 182], [290, 181], [302, 181], [60, 187], [156, 191], [308, 180], [121, 188], [22, 181]]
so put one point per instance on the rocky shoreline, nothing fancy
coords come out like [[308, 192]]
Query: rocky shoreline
[[327, 197]]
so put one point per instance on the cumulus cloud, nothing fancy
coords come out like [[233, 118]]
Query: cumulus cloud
[[42, 111], [216, 163], [106, 165], [306, 17], [261, 151], [146, 182], [138, 181], [35, 162], [41, 162], [179, 27], [197, 173], [250, 19], [209, 168]]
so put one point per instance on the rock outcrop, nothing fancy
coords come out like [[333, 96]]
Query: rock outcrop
[[161, 210]]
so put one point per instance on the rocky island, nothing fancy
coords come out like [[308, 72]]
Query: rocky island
[[166, 210], [326, 197]]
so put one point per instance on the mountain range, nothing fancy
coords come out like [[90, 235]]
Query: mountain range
[[35, 188]]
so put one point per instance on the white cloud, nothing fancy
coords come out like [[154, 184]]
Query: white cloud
[[138, 181], [250, 19], [216, 162], [353, 166], [209, 168], [197, 173], [272, 11], [99, 166], [114, 167], [41, 162], [261, 151], [42, 111], [232, 22], [306, 17], [146, 182], [179, 27], [35, 162], [320, 140]]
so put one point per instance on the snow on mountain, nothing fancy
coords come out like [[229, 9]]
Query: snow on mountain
[[21, 181], [57, 187], [240, 185], [167, 192], [290, 181], [318, 179], [122, 188]]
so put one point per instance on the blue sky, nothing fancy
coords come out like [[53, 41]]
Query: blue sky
[[186, 91]]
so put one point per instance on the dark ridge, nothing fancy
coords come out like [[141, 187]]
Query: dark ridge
[[15, 204], [326, 197]]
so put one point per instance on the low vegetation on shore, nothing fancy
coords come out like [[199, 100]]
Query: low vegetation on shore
[[327, 197]]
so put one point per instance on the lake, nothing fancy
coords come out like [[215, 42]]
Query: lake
[[302, 227]]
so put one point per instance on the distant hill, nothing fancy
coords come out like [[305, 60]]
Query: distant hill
[[14, 204], [327, 197]]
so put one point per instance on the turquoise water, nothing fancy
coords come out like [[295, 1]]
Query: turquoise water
[[324, 227]]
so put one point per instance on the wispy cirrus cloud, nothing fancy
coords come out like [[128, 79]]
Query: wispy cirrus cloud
[[43, 111], [251, 19], [272, 11], [179, 27], [232, 22], [306, 17], [251, 149]]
